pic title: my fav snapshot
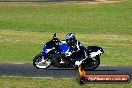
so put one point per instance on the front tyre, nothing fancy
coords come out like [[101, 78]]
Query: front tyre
[[40, 62]]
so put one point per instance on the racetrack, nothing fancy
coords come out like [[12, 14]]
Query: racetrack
[[28, 70]]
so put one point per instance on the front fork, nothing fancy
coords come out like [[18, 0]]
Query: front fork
[[43, 54]]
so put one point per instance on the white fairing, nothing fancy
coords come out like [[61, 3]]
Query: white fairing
[[63, 41], [78, 63], [47, 50], [94, 54]]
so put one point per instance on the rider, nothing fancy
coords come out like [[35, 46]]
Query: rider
[[74, 45]]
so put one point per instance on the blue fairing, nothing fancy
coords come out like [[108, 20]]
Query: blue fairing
[[45, 47], [63, 47], [43, 53], [44, 50]]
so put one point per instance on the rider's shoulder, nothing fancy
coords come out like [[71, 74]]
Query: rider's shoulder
[[79, 43]]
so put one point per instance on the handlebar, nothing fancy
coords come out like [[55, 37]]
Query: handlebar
[[54, 35], [55, 39]]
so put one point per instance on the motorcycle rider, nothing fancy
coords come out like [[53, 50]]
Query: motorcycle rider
[[74, 45]]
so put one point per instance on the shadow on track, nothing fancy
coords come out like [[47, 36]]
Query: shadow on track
[[102, 70], [76, 70]]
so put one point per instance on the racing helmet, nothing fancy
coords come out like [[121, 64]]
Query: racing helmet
[[70, 38]]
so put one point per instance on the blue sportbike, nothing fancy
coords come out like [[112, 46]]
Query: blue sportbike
[[55, 53]]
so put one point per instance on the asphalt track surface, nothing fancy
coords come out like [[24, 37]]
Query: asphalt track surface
[[28, 70]]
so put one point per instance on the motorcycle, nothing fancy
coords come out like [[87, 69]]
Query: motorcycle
[[55, 54]]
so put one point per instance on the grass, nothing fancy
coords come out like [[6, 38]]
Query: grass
[[20, 82], [65, 17]]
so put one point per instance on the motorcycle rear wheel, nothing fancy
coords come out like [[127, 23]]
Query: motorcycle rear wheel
[[91, 64], [37, 62]]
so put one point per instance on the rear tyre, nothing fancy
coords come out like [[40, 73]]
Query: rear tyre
[[91, 63], [39, 64], [76, 67]]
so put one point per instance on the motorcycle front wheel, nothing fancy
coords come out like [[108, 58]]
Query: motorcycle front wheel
[[41, 64]]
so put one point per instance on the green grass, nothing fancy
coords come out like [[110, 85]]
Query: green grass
[[67, 16], [24, 27], [20, 82]]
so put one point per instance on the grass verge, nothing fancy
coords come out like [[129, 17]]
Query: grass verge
[[24, 82]]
